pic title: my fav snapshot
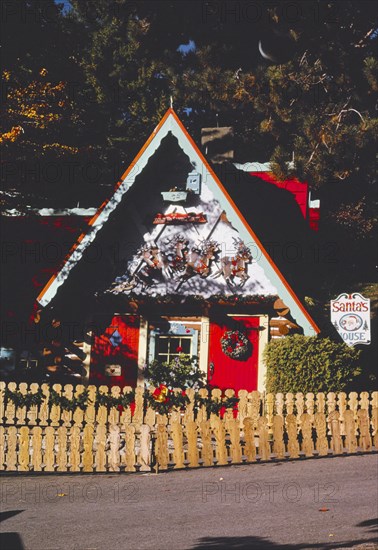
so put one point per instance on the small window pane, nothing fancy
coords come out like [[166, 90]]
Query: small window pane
[[163, 345], [174, 344], [185, 344]]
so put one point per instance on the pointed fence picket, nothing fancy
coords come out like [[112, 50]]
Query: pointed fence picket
[[91, 435]]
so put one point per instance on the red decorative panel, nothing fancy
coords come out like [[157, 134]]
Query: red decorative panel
[[118, 347], [294, 186], [236, 374]]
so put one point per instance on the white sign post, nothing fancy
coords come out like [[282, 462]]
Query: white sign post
[[350, 315]]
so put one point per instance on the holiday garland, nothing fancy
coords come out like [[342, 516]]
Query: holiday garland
[[21, 400], [234, 344], [162, 400]]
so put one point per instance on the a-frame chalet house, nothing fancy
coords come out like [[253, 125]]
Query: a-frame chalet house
[[169, 265]]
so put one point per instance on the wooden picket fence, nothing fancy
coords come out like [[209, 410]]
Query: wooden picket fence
[[97, 438]]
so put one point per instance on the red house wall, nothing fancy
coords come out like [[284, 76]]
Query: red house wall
[[125, 353]]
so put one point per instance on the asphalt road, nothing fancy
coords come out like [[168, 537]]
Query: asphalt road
[[319, 503]]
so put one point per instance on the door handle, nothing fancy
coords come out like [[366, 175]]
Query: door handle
[[211, 370]]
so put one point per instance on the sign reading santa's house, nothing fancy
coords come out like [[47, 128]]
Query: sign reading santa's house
[[350, 315]]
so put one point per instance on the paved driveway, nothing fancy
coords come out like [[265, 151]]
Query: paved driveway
[[297, 505]]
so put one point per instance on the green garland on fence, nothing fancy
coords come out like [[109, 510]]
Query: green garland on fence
[[79, 402], [214, 406], [21, 400], [110, 401], [162, 400]]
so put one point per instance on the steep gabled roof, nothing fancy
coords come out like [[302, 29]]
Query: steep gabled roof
[[171, 123]]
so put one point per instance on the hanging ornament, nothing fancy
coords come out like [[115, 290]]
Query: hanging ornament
[[160, 394]]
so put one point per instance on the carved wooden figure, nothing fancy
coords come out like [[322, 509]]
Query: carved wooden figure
[[264, 447], [350, 431], [49, 450], [364, 427], [61, 455], [23, 453], [114, 443], [249, 436], [130, 448], [278, 436], [236, 451], [55, 410], [207, 447], [320, 424], [334, 423], [161, 447], [177, 438], [102, 410], [11, 452], [10, 409], [74, 451], [191, 435], [67, 415], [220, 437], [36, 457], [78, 413], [289, 402], [306, 427], [291, 428], [32, 413], [87, 458], [90, 411], [138, 412], [100, 448], [21, 411], [144, 457], [2, 448]]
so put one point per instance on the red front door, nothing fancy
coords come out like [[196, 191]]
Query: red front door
[[114, 353], [225, 372]]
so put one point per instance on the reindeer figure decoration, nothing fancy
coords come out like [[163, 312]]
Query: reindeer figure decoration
[[199, 259], [149, 270], [236, 266], [177, 260], [155, 264]]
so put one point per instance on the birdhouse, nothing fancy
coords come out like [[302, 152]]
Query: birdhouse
[[193, 182]]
